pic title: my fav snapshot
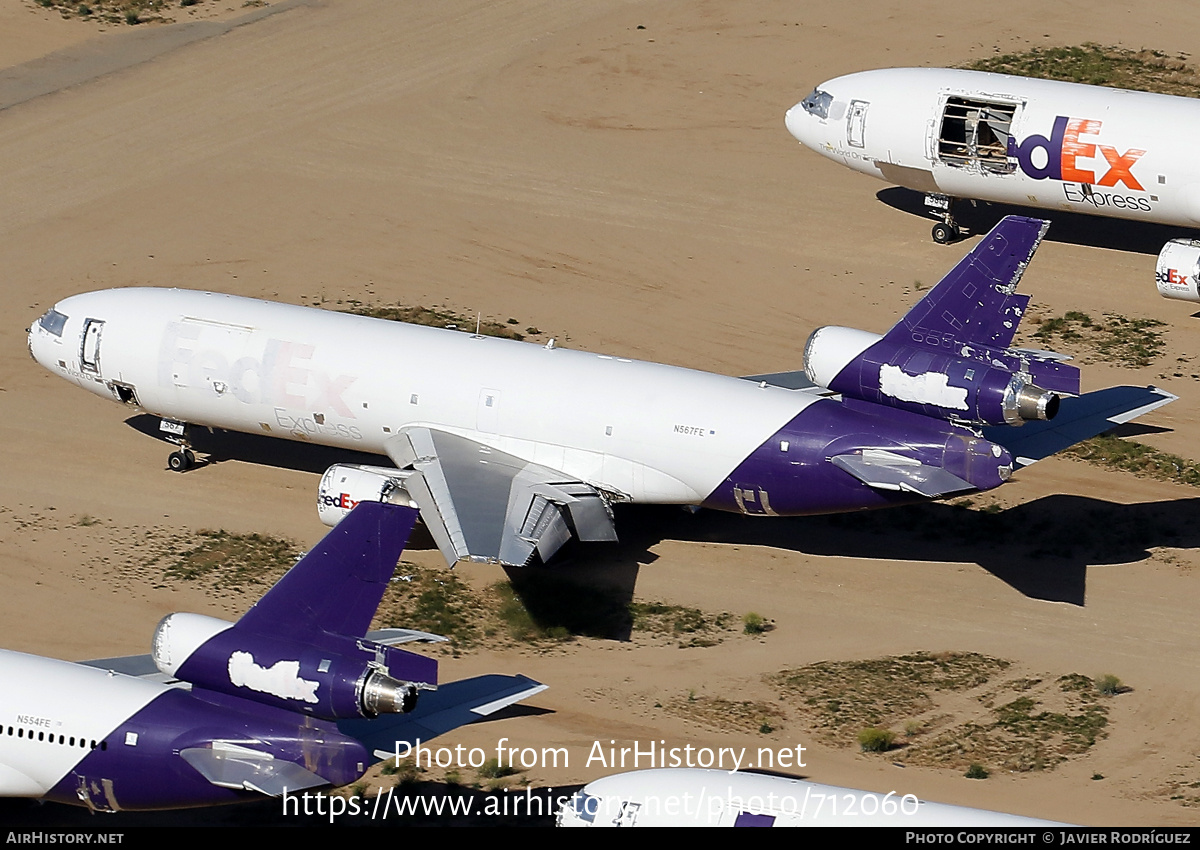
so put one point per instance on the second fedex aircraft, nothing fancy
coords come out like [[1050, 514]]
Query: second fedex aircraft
[[1041, 143], [508, 448]]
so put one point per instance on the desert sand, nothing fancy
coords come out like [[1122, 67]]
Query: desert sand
[[616, 174]]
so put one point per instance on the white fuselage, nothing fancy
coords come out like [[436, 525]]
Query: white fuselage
[[1031, 142], [47, 728], [638, 431]]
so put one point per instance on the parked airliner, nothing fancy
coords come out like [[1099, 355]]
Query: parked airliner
[[954, 134], [696, 797], [509, 448], [295, 695]]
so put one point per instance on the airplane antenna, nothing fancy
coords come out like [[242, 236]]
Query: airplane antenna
[[478, 322]]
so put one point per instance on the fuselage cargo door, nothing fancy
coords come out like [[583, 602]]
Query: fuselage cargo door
[[974, 134], [856, 123], [89, 346]]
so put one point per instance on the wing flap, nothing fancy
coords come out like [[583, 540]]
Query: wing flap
[[483, 504]]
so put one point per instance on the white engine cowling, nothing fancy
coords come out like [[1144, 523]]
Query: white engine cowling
[[179, 635], [344, 485], [830, 349], [1178, 269]]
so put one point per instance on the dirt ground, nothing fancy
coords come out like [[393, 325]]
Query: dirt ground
[[617, 174]]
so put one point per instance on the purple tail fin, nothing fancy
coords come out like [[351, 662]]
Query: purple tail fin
[[337, 586], [975, 303]]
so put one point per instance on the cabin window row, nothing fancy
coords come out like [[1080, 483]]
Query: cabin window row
[[65, 740]]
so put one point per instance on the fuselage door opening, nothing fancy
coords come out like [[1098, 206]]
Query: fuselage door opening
[[89, 346], [856, 123], [974, 134]]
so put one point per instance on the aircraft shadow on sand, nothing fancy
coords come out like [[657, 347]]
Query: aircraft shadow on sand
[[978, 217], [1035, 548]]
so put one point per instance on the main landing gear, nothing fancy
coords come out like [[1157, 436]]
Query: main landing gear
[[945, 231], [177, 433]]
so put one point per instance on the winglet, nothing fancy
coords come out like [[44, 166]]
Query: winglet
[[336, 588], [974, 302]]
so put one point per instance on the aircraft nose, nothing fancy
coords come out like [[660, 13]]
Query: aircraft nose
[[800, 124]]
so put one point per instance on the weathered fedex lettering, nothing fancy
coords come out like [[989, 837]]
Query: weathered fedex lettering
[[341, 500], [282, 377], [1065, 147]]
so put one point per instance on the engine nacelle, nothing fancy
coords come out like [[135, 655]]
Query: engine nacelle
[[962, 384], [342, 677], [344, 485], [1177, 272]]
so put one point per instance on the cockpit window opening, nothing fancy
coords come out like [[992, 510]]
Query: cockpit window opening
[[976, 133], [817, 103], [52, 322]]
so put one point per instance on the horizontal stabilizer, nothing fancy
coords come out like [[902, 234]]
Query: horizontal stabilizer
[[394, 637], [885, 470], [230, 765], [974, 302], [440, 711], [1078, 419]]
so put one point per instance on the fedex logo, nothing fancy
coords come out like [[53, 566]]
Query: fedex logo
[[1066, 146], [342, 500], [1171, 277]]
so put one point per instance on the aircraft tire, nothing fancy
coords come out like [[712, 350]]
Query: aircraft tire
[[178, 462], [944, 234]]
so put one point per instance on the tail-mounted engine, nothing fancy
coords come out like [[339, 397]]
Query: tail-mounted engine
[[336, 677], [949, 380], [1178, 270]]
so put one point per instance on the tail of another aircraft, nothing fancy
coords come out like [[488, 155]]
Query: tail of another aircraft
[[949, 357]]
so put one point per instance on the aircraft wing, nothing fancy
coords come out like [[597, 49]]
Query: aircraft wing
[[787, 380], [483, 504], [1078, 419], [138, 666], [437, 712], [974, 302]]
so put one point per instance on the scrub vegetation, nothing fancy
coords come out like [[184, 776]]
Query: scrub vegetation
[[536, 607], [437, 317], [841, 698], [1116, 453], [228, 562], [1014, 724], [129, 12], [1116, 67], [724, 715], [1133, 343], [544, 611]]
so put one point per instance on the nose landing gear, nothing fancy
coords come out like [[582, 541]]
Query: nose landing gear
[[177, 433], [181, 461], [947, 230]]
